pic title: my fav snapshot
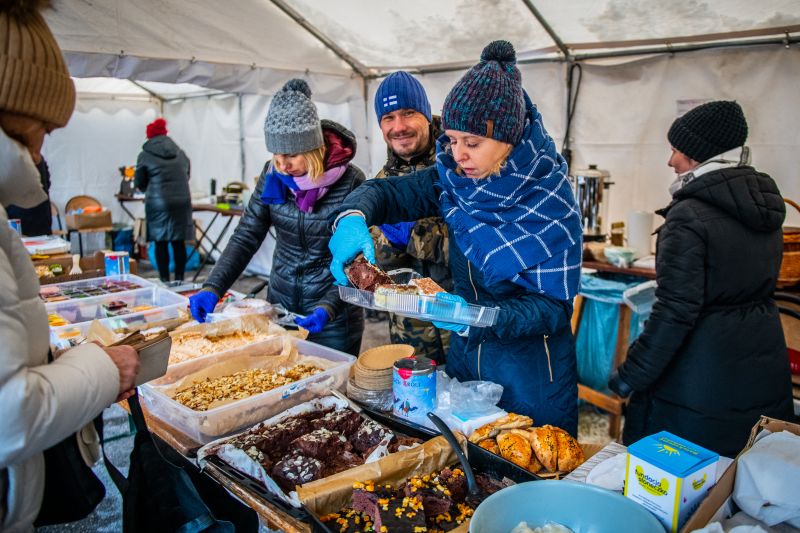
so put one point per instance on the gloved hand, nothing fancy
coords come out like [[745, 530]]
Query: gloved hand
[[314, 322], [202, 303], [454, 298], [398, 234], [350, 238], [619, 386]]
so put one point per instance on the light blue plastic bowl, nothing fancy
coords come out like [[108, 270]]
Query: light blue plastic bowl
[[582, 508]]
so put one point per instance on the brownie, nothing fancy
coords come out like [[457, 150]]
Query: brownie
[[490, 485], [455, 481], [368, 436], [366, 495], [345, 421], [406, 442], [366, 276], [296, 470], [320, 444], [340, 463], [347, 521], [259, 456], [277, 438], [401, 515]]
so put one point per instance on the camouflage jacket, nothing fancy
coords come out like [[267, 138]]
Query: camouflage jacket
[[427, 249]]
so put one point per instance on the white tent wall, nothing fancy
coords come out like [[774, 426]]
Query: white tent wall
[[624, 112], [84, 157]]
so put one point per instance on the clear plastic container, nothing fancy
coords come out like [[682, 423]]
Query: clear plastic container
[[420, 306], [205, 426], [91, 288], [137, 303]]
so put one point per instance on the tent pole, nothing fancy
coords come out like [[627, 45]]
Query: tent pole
[[670, 49], [241, 137], [550, 31], [310, 28], [153, 94]]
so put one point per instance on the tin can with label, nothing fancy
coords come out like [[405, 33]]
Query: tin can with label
[[117, 263], [414, 388], [16, 225]]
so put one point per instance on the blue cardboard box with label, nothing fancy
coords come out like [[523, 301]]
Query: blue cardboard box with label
[[669, 476]]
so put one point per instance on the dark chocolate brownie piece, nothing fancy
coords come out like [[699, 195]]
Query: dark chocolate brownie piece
[[278, 437], [366, 276], [348, 521], [341, 463], [320, 444], [296, 470], [344, 421], [369, 434]]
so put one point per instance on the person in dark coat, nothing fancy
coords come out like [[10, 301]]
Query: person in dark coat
[[162, 173], [515, 238], [309, 177], [712, 357]]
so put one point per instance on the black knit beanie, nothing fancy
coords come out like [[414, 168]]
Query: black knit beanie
[[487, 101], [708, 130]]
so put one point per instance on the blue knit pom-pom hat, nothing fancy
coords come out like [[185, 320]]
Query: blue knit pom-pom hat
[[401, 90], [488, 100], [292, 125]]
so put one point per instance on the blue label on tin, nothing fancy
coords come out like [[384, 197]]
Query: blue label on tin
[[414, 395]]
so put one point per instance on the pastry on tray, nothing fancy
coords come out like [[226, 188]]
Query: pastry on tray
[[366, 276], [546, 450], [383, 293]]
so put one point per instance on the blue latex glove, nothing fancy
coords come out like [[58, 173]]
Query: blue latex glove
[[454, 298], [398, 234], [203, 303], [350, 238], [315, 321]]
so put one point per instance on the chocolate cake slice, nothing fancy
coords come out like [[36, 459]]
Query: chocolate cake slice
[[320, 444], [344, 421], [369, 434], [366, 276], [296, 470], [277, 438]]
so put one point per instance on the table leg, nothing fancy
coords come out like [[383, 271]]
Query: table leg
[[214, 246]]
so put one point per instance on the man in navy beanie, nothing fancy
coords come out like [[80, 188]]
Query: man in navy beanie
[[410, 130]]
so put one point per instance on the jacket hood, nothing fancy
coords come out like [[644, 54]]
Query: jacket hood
[[749, 196], [161, 146], [340, 142]]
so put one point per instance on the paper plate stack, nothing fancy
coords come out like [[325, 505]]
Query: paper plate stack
[[371, 380]]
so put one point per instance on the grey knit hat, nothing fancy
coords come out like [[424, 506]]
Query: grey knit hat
[[292, 125]]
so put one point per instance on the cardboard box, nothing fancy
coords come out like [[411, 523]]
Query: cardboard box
[[718, 505], [669, 476], [89, 220]]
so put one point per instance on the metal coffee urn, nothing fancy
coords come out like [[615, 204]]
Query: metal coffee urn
[[591, 192]]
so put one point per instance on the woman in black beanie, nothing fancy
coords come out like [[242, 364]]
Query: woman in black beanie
[[712, 358]]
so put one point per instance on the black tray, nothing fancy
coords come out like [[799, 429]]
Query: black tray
[[478, 457], [482, 461]]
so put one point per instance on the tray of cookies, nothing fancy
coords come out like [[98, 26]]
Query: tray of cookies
[[405, 293]]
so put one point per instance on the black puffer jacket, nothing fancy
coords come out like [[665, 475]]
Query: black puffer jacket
[[162, 173], [300, 279], [712, 357]]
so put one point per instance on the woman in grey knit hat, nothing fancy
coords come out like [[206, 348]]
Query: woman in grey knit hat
[[307, 180]]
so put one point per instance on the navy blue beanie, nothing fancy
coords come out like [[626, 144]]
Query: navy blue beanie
[[401, 90]]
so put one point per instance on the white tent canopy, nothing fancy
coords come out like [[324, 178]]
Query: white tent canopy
[[211, 69]]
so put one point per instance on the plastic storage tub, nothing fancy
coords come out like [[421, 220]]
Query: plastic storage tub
[[91, 288], [421, 306], [138, 302], [205, 426]]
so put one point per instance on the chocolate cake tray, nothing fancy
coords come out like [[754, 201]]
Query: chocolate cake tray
[[423, 307], [234, 454]]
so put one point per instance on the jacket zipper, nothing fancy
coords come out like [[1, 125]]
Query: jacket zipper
[[480, 346], [547, 351], [301, 232]]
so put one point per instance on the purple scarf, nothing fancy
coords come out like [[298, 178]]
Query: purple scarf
[[306, 191]]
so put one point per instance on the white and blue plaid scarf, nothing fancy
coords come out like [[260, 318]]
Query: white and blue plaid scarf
[[523, 225]]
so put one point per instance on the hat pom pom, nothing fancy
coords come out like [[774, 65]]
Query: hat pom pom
[[298, 85], [501, 51]]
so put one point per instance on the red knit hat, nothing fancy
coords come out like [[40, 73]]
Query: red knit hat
[[157, 127]]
